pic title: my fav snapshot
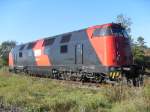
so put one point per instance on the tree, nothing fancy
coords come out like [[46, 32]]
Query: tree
[[125, 22], [5, 48], [138, 54], [141, 42], [139, 51]]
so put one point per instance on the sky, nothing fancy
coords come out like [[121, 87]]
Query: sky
[[28, 20]]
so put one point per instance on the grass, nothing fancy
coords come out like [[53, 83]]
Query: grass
[[32, 94]]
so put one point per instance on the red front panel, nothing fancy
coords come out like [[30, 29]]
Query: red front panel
[[104, 48]]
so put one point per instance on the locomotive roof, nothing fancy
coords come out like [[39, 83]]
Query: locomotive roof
[[56, 36]]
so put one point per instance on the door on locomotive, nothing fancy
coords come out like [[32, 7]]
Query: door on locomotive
[[15, 59], [79, 54]]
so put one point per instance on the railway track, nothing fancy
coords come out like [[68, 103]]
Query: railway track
[[78, 84]]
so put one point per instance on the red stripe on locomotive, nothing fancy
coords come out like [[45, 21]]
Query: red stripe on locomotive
[[41, 58], [11, 63]]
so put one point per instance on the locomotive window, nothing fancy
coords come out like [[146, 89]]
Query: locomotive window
[[31, 45], [65, 38], [20, 54], [22, 47], [102, 32], [119, 31], [125, 34], [49, 41], [63, 49]]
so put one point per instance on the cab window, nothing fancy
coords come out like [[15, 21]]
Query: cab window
[[102, 32], [119, 31]]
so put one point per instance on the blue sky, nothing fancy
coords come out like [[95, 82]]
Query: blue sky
[[28, 20]]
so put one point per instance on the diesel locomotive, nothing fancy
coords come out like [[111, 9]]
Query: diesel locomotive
[[99, 53]]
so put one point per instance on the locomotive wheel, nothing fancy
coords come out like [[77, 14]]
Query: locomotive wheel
[[84, 78], [56, 76], [141, 79], [73, 78], [99, 78], [135, 81], [138, 81], [15, 71], [10, 70]]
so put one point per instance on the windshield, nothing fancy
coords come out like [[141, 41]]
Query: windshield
[[119, 31]]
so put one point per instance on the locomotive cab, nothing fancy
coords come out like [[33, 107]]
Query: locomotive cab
[[112, 46]]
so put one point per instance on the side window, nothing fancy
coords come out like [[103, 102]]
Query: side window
[[65, 38], [49, 41], [22, 47], [20, 54], [31, 45], [63, 49]]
